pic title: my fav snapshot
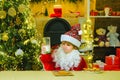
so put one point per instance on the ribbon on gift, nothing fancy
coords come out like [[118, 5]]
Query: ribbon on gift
[[113, 58]]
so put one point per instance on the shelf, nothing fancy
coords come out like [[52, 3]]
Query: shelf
[[101, 52], [93, 7], [104, 16]]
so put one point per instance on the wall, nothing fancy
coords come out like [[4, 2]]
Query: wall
[[66, 7], [38, 10]]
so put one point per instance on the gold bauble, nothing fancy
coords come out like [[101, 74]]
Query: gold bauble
[[21, 8], [12, 11], [22, 31], [5, 37], [2, 14]]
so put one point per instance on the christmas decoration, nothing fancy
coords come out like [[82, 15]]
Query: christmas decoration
[[11, 12], [57, 11], [2, 14], [46, 12], [19, 46], [87, 36], [113, 36], [112, 62], [5, 36], [101, 38]]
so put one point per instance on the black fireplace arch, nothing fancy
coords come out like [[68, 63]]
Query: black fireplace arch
[[54, 28]]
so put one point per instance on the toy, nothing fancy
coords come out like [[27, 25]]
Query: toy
[[113, 36], [101, 38]]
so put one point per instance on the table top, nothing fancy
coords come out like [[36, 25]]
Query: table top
[[48, 75]]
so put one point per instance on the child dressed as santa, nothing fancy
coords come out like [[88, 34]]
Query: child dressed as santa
[[66, 57]]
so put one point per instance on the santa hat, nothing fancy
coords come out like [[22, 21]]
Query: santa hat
[[73, 36]]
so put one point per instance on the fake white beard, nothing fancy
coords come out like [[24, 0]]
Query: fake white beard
[[66, 61]]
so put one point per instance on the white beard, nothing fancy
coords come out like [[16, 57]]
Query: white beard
[[66, 61]]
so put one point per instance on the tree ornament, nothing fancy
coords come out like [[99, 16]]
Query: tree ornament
[[21, 8], [33, 41], [12, 11], [22, 32], [5, 37], [2, 14], [19, 52]]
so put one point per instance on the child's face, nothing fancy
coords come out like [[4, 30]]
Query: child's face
[[67, 47]]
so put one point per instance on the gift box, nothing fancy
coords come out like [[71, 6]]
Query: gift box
[[99, 64], [95, 65], [112, 60], [111, 67], [93, 13], [118, 52], [107, 67]]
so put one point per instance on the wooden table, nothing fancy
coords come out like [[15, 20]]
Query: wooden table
[[48, 75]]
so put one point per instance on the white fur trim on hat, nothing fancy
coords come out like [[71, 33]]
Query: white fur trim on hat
[[80, 32], [71, 40]]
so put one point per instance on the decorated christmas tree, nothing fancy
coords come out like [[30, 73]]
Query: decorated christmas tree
[[19, 47]]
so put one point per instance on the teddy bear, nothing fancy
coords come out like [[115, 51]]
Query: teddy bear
[[101, 38], [113, 35]]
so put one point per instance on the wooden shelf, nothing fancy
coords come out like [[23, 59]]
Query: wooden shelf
[[104, 16]]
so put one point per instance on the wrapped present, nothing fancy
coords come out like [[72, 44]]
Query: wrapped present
[[118, 52], [111, 67], [112, 60], [95, 65], [99, 64], [107, 67]]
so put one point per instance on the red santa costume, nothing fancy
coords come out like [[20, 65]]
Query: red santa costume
[[59, 60]]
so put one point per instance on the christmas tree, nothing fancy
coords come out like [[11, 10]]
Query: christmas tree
[[19, 47]]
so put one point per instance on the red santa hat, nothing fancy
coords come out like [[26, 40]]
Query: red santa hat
[[73, 36]]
